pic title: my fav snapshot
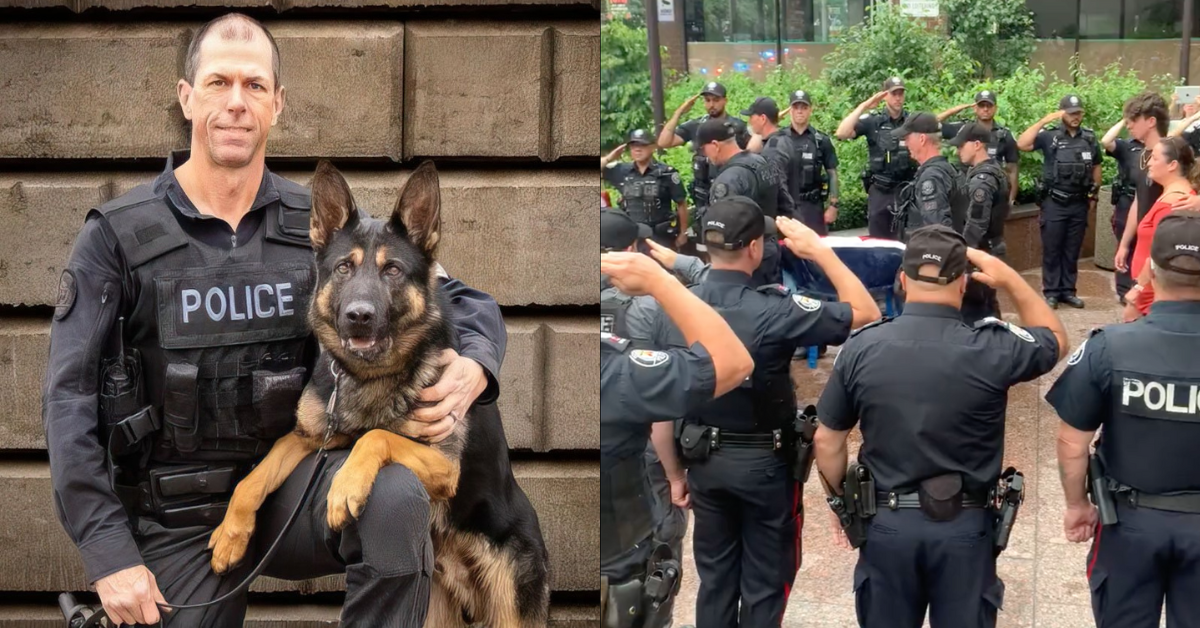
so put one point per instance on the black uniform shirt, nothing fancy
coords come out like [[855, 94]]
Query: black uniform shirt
[[868, 126], [1002, 148], [737, 178], [82, 330], [664, 177], [1151, 419], [639, 387], [807, 146], [935, 194], [987, 194], [1045, 143], [931, 393]]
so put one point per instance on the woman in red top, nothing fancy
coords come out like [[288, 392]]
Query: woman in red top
[[1172, 164]]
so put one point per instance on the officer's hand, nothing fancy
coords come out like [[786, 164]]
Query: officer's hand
[[616, 152], [687, 104], [800, 240], [1188, 202], [1079, 523], [839, 535], [785, 113], [831, 214], [633, 273], [679, 493], [461, 383], [129, 596], [992, 271], [665, 256], [681, 239], [877, 98]]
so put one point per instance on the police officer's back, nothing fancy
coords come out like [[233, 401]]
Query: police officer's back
[[930, 393], [936, 195], [988, 207], [743, 492], [1139, 381], [638, 387]]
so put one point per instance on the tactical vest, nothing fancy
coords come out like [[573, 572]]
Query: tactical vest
[[888, 156], [807, 177], [1000, 205], [613, 306], [221, 334], [764, 402], [642, 196], [626, 513], [999, 133], [766, 190], [917, 216], [1154, 381], [1071, 171]]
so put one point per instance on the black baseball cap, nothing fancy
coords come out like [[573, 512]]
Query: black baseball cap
[[713, 89], [938, 245], [919, 122], [1177, 235], [618, 231], [1070, 103], [763, 105], [892, 84], [713, 130], [800, 96], [733, 223], [640, 136], [985, 95], [971, 132]]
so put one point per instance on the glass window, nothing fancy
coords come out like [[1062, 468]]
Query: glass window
[[732, 21], [1100, 19], [1054, 19], [1153, 19], [798, 20]]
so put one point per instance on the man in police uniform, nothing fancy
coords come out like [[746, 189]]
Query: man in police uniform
[[638, 387], [988, 197], [1070, 187], [936, 196], [1146, 118], [648, 187], [743, 173], [180, 331], [1001, 145], [744, 497], [812, 180], [1139, 382], [890, 164], [934, 458], [674, 134], [775, 146]]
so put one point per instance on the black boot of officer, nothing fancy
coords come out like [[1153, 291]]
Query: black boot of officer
[[1139, 381], [934, 458]]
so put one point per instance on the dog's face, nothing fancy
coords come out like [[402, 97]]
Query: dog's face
[[375, 278]]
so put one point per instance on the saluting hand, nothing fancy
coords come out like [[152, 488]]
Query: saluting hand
[[664, 255], [800, 240], [687, 104], [992, 271], [876, 99], [633, 273]]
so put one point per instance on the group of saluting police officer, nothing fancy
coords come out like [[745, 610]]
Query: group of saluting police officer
[[697, 379]]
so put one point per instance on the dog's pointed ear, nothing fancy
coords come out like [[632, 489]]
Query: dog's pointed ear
[[418, 213], [332, 205]]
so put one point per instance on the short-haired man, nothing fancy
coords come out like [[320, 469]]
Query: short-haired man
[[674, 134], [1001, 147], [935, 197]]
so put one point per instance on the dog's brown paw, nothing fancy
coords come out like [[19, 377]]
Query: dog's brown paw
[[229, 541], [347, 496], [441, 482]]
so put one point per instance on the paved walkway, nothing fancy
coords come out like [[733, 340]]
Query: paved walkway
[[1043, 573]]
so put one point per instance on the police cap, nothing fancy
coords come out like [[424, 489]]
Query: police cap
[[986, 95], [763, 106], [972, 132], [1070, 104], [734, 222], [940, 246], [713, 89], [1177, 235], [800, 96], [640, 136], [618, 231], [892, 84], [714, 130], [919, 122]]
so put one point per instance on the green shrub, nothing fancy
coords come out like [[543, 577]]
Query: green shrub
[[624, 82], [997, 34]]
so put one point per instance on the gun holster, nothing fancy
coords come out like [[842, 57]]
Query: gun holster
[[941, 497], [804, 428], [1010, 494], [855, 505], [643, 601], [1099, 492], [696, 442]]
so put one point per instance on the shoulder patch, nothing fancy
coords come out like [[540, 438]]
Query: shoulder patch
[[980, 195], [885, 319], [615, 342], [808, 304], [67, 292], [864, 116], [719, 190], [649, 359], [927, 187], [612, 164], [1077, 355], [674, 177], [1016, 330]]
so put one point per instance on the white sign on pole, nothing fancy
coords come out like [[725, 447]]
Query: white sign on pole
[[666, 10], [919, 8]]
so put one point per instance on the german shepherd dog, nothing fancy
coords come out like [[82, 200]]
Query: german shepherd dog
[[382, 325]]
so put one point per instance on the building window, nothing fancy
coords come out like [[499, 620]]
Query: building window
[[1153, 19], [797, 20], [1052, 20], [1100, 19], [755, 21]]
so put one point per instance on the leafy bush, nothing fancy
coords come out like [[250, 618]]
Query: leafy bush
[[624, 81], [997, 35]]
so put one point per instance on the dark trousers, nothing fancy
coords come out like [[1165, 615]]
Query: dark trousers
[[670, 521], [769, 271], [1133, 565], [812, 214], [1063, 227], [746, 537], [386, 554], [880, 203], [910, 563], [1120, 218]]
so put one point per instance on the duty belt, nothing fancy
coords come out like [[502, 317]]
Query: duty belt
[[810, 196], [899, 501], [181, 496], [759, 440], [1188, 503]]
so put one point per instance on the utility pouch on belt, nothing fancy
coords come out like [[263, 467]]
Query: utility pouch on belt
[[275, 397], [695, 441], [179, 405], [1098, 490], [805, 427], [1010, 493], [623, 606], [941, 497]]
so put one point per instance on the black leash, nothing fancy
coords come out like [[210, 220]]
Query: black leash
[[75, 614]]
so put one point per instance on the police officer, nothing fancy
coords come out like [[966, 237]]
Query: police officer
[[1001, 145], [890, 164], [742, 173], [180, 331], [1139, 382], [674, 134], [812, 180], [1146, 117], [648, 187], [936, 195], [933, 459], [988, 197], [638, 387], [775, 146], [1070, 188], [744, 496]]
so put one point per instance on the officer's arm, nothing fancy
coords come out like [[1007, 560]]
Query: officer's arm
[[837, 416], [831, 168], [1028, 140], [782, 164], [953, 111], [979, 215], [942, 195], [670, 137], [481, 333], [692, 269], [84, 321], [1033, 312], [755, 145], [652, 386], [1080, 396], [855, 123], [1010, 169]]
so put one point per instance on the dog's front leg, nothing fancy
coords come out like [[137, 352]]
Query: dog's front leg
[[228, 542], [352, 484]]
